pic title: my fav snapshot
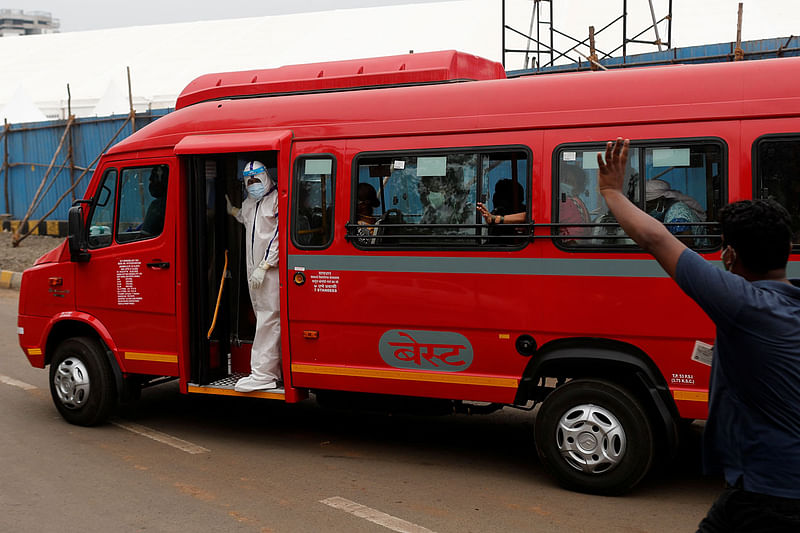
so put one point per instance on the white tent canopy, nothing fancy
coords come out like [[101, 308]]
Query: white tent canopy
[[20, 108], [163, 59], [114, 101]]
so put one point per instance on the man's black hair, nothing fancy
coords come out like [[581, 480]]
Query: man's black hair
[[508, 197], [759, 231]]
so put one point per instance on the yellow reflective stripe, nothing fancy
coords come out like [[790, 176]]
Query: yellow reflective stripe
[[690, 396], [230, 392], [405, 375], [34, 351], [154, 357]]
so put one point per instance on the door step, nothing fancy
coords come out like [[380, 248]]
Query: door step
[[224, 387]]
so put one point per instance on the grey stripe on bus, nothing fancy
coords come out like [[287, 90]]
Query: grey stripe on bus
[[479, 265], [635, 268]]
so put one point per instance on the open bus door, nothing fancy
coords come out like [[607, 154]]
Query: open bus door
[[217, 291]]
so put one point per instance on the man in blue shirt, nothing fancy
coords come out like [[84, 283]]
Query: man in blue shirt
[[752, 434]]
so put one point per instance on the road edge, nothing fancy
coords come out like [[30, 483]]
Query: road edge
[[10, 279]]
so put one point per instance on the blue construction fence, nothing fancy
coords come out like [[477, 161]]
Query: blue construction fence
[[26, 151], [706, 53]]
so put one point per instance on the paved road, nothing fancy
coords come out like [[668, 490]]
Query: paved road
[[263, 466]]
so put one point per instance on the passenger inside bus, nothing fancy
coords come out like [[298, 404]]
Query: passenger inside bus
[[508, 201], [304, 216], [673, 207], [430, 200], [509, 208], [367, 201], [679, 184], [153, 222], [445, 199], [611, 235], [572, 209]]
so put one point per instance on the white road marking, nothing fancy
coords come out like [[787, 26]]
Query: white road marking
[[376, 517], [16, 383], [163, 438]]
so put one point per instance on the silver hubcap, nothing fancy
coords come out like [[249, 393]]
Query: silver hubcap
[[591, 439], [72, 383]]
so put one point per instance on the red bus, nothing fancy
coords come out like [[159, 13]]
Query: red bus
[[423, 298]]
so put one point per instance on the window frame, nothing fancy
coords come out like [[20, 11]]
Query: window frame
[[119, 203], [526, 181], [643, 144], [757, 186], [93, 209], [295, 199]]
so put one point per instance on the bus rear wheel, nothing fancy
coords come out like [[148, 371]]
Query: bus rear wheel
[[594, 436], [82, 382]]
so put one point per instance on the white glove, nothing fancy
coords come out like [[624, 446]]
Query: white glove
[[233, 211], [257, 277]]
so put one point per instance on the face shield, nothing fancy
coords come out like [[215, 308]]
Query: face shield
[[256, 178]]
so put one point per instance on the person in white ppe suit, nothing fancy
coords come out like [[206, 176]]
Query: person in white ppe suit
[[259, 214]]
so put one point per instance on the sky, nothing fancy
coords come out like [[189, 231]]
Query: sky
[[694, 21], [78, 15]]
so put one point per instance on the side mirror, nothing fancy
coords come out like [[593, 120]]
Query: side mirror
[[78, 243]]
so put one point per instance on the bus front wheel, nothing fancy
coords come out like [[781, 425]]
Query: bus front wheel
[[82, 382], [594, 436]]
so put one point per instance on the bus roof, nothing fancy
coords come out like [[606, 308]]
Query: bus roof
[[408, 69], [718, 91]]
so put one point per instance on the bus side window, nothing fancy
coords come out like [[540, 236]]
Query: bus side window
[[676, 183], [579, 204], [429, 199], [313, 190], [101, 221], [679, 184], [777, 175], [142, 202]]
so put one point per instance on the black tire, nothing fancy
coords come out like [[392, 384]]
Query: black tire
[[605, 443], [82, 383]]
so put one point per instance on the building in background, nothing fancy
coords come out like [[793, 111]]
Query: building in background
[[18, 22]]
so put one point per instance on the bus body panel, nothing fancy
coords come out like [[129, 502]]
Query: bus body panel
[[130, 287], [32, 332], [50, 286], [36, 335], [362, 318]]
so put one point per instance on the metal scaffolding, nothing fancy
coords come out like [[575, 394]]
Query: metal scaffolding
[[540, 51]]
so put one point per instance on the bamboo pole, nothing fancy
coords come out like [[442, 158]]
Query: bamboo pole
[[38, 195], [53, 180], [738, 53], [70, 148], [655, 25], [130, 103], [5, 164]]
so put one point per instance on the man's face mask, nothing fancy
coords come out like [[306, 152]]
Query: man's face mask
[[256, 190], [436, 199]]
